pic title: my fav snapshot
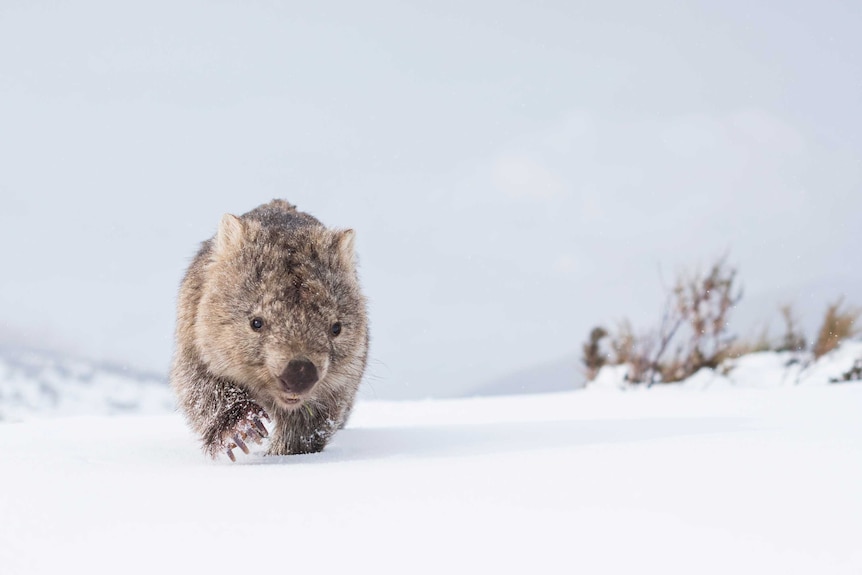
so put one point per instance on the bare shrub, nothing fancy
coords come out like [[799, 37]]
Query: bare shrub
[[839, 323], [692, 333], [852, 374], [793, 338], [593, 356], [704, 303], [633, 350], [623, 343]]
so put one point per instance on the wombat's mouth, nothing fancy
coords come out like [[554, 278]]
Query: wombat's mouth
[[291, 400]]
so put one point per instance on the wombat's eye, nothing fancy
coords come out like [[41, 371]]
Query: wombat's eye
[[256, 324], [335, 329]]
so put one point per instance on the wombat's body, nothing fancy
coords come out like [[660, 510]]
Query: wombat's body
[[271, 324]]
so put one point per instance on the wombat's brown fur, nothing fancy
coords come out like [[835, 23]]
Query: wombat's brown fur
[[271, 324]]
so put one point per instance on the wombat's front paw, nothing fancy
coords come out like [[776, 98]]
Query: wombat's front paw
[[241, 423]]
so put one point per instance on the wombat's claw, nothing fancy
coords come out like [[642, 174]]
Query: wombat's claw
[[241, 444], [237, 442], [255, 435], [248, 427]]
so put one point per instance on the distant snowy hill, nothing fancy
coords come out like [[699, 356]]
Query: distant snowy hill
[[44, 383]]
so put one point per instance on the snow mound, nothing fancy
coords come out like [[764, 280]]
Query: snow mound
[[760, 370], [45, 384]]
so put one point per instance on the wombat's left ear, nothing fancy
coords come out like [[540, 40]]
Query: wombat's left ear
[[344, 246]]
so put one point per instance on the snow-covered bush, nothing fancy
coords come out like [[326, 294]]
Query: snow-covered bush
[[692, 333], [839, 323]]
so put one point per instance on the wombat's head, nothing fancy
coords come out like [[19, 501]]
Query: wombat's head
[[281, 311]]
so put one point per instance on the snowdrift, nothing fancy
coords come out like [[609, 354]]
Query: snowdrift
[[39, 383], [762, 370]]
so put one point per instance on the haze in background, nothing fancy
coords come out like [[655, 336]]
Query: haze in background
[[515, 172]]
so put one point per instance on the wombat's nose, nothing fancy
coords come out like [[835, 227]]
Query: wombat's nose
[[298, 376]]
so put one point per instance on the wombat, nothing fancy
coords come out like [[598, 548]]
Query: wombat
[[271, 325]]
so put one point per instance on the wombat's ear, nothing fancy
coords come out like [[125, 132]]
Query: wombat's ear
[[344, 246], [230, 233]]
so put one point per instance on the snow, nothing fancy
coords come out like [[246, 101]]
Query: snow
[[755, 468], [672, 480], [40, 383], [762, 370]]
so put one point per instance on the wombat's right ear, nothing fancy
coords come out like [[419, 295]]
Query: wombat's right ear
[[230, 233], [344, 242]]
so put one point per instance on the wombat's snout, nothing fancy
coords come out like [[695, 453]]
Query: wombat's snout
[[299, 376]]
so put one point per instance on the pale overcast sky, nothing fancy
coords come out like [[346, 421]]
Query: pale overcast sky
[[516, 172]]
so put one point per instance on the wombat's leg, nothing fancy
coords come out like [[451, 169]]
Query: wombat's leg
[[294, 442], [221, 412], [234, 425], [305, 430]]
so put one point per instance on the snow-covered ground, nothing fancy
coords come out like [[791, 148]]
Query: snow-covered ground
[[671, 480], [754, 471]]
